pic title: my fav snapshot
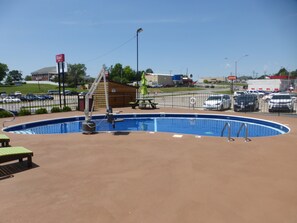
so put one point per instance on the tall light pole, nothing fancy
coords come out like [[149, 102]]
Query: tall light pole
[[237, 62], [138, 31]]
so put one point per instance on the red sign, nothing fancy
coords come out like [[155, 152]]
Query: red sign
[[232, 78], [60, 58]]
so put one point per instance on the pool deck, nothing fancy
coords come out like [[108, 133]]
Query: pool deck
[[150, 178]]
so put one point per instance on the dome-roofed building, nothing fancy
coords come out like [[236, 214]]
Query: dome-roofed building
[[44, 74]]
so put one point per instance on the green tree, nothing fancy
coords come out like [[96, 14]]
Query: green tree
[[262, 77], [129, 73], [293, 74], [15, 75], [121, 75], [3, 71], [149, 70], [28, 78], [282, 72], [76, 74], [116, 73], [9, 80]]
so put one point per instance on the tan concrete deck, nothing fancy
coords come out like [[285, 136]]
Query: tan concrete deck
[[150, 178]]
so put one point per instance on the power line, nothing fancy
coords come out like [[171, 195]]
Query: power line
[[112, 50]]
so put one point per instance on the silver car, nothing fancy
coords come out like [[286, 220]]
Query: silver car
[[217, 102]]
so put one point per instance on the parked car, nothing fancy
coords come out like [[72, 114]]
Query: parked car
[[45, 97], [11, 99], [281, 102], [267, 97], [218, 102], [82, 93], [3, 94], [238, 93], [29, 97], [53, 92], [246, 102], [48, 97], [258, 93], [17, 93]]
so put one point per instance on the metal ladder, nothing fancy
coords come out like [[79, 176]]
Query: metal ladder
[[3, 124], [227, 125], [246, 139]]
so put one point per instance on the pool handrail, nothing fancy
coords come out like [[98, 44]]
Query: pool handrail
[[3, 124], [229, 130], [246, 139]]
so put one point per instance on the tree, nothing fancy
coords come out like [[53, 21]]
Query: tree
[[15, 75], [116, 73], [121, 75], [129, 74], [9, 80], [76, 74], [293, 74], [3, 71], [28, 78], [282, 72], [149, 70], [262, 77]]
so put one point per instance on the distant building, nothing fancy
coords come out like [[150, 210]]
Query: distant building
[[44, 74], [271, 84], [154, 79], [213, 80]]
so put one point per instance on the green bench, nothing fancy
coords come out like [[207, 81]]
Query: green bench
[[4, 140], [15, 153]]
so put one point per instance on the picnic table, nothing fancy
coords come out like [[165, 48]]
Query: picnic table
[[143, 103]]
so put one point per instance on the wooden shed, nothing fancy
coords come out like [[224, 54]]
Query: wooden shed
[[119, 95]]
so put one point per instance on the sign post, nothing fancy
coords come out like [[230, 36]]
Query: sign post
[[232, 78], [60, 58]]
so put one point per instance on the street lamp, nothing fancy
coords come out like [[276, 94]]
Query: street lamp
[[138, 31], [237, 62]]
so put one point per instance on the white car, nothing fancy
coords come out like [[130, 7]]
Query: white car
[[268, 97], [218, 102], [11, 99], [258, 93], [238, 93], [281, 102], [17, 93]]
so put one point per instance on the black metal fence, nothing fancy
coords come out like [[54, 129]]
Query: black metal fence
[[195, 101], [198, 101], [33, 104]]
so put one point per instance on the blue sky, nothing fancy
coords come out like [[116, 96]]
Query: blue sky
[[194, 36]]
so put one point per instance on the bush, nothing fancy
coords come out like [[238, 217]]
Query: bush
[[66, 109], [4, 114], [55, 109], [24, 112], [41, 111]]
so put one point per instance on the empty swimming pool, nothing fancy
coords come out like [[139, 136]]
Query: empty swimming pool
[[195, 124]]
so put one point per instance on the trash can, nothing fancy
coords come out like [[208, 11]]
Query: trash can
[[81, 103]]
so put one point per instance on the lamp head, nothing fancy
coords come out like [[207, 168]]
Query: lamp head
[[139, 30]]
